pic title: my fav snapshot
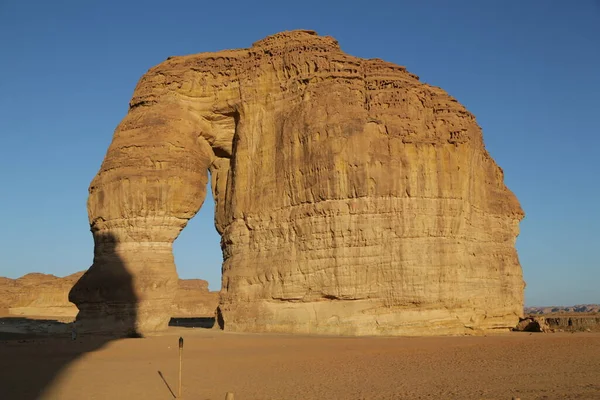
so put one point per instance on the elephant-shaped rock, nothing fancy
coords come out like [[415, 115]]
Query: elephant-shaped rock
[[351, 198]]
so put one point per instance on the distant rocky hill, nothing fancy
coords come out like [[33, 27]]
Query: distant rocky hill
[[39, 294], [580, 308], [581, 317]]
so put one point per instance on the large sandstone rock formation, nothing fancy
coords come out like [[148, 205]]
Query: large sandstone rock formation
[[350, 197]]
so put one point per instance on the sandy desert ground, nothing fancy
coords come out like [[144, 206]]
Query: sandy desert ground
[[524, 365]]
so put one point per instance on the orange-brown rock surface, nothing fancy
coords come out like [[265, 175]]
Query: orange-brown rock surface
[[38, 294], [193, 299], [351, 197], [45, 295]]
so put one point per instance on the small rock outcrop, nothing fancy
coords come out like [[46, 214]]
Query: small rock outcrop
[[580, 317], [575, 322], [532, 324], [351, 198], [560, 322]]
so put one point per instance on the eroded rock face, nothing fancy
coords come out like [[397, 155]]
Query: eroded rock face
[[560, 322], [37, 294], [193, 299], [532, 324], [351, 198]]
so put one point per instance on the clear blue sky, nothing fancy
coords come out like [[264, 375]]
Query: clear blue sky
[[528, 70]]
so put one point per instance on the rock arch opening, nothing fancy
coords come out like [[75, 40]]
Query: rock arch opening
[[198, 260], [197, 249]]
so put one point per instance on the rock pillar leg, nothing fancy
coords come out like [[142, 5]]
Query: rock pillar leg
[[152, 181]]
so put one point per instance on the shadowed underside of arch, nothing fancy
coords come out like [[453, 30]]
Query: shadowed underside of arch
[[350, 197]]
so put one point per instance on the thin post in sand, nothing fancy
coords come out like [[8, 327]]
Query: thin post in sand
[[180, 364], [229, 396]]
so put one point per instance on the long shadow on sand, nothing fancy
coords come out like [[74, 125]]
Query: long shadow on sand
[[34, 353]]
